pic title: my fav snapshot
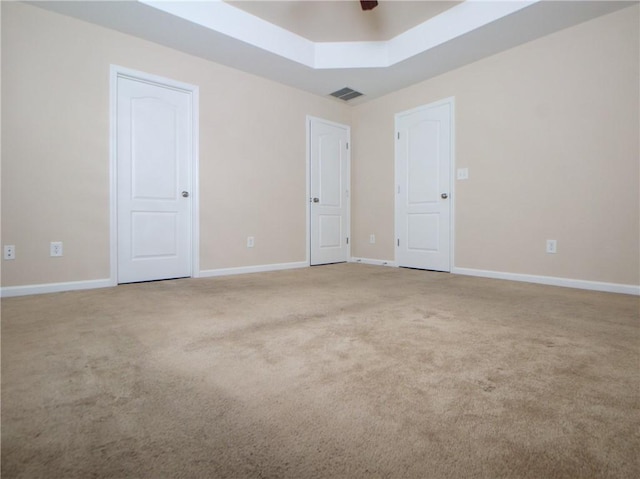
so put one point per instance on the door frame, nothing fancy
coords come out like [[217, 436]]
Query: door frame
[[308, 122], [452, 168], [116, 72]]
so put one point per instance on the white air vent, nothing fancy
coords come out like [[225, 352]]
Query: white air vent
[[346, 94]]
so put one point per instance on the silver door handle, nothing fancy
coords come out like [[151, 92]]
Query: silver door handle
[[444, 196], [185, 194], [316, 200]]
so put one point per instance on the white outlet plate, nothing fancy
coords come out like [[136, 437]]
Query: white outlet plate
[[372, 239], [250, 241], [9, 251], [462, 173], [552, 246], [55, 248]]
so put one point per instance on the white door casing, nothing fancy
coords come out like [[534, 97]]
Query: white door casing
[[329, 226], [424, 154], [155, 173]]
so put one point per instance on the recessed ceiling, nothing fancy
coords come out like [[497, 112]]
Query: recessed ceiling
[[219, 32], [344, 20]]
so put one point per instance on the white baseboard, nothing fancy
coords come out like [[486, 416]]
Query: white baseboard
[[9, 291], [252, 269], [552, 281], [377, 262]]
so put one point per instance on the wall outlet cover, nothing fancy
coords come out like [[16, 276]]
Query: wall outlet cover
[[9, 251], [55, 248]]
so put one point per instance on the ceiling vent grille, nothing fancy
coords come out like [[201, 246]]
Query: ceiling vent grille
[[346, 94]]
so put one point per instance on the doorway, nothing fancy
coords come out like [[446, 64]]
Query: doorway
[[154, 178], [423, 208], [329, 184]]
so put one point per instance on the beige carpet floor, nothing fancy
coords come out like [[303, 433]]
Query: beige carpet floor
[[340, 371]]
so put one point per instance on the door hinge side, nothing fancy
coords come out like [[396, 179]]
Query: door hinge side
[[347, 145], [398, 135], [347, 240], [398, 241]]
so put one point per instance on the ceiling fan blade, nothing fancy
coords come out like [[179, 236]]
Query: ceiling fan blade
[[368, 5]]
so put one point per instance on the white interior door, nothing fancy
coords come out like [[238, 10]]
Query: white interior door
[[154, 151], [423, 184], [329, 192]]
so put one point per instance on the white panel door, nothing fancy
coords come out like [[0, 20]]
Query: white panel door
[[329, 189], [423, 203], [154, 151]]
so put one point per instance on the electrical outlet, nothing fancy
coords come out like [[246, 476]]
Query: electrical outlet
[[462, 174], [372, 239], [9, 251], [250, 241], [552, 246], [55, 248]]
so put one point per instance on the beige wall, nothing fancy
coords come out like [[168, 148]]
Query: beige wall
[[549, 132], [55, 150]]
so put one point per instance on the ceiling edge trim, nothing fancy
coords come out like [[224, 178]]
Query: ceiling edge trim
[[223, 18]]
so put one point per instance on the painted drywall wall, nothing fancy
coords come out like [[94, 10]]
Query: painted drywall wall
[[549, 132], [55, 150]]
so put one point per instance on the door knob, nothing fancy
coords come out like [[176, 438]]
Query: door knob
[[444, 196], [185, 194], [316, 200]]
